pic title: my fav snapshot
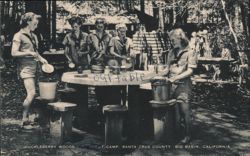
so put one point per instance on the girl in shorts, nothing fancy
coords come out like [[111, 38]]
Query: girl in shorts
[[24, 48]]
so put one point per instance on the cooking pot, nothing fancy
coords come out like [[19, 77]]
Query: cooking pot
[[47, 68], [161, 89], [97, 69]]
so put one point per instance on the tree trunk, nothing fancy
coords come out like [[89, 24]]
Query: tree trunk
[[142, 6], [230, 24], [1, 19], [242, 53], [245, 21], [174, 13], [53, 21]]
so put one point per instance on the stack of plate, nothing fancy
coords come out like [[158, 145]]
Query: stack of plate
[[97, 69]]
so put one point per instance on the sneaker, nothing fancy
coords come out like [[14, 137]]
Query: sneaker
[[185, 140], [27, 127], [25, 122], [2, 67]]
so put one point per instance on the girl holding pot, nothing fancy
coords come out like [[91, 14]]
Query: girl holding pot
[[182, 60]]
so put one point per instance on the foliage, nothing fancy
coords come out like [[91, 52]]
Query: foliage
[[210, 11]]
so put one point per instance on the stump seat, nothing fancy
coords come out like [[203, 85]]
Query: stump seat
[[114, 123], [61, 120], [164, 120]]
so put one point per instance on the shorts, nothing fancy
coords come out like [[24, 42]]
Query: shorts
[[27, 69], [182, 92]]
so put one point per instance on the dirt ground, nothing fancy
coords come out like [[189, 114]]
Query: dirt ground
[[220, 126]]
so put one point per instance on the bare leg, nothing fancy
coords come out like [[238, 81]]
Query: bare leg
[[184, 109], [29, 84], [183, 101]]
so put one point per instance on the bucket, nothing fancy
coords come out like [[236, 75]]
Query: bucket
[[161, 89], [47, 90]]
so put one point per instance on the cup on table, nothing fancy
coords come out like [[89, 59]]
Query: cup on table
[[107, 70], [79, 69]]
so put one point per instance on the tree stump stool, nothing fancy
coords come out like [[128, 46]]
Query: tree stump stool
[[78, 95], [114, 123], [164, 120], [39, 106], [61, 121]]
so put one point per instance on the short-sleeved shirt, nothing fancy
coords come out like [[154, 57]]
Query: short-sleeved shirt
[[25, 43], [178, 63], [98, 44], [75, 46], [27, 65], [186, 58], [121, 48]]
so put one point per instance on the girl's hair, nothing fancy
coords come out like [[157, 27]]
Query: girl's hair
[[25, 18], [76, 20], [102, 21], [120, 25], [180, 34]]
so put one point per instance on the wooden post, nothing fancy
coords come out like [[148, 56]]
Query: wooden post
[[53, 22], [146, 125], [81, 99], [1, 15], [142, 3], [49, 18], [133, 114]]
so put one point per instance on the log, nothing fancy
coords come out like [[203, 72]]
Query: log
[[114, 124], [61, 121]]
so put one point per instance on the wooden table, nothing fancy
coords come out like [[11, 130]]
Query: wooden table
[[132, 79], [125, 78], [214, 60], [58, 52], [222, 64]]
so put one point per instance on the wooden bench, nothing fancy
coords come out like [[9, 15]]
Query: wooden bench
[[61, 121], [114, 123], [164, 120]]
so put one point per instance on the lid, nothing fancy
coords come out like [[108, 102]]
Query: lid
[[159, 80], [47, 68]]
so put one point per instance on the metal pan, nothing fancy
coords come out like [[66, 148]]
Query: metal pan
[[47, 68]]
